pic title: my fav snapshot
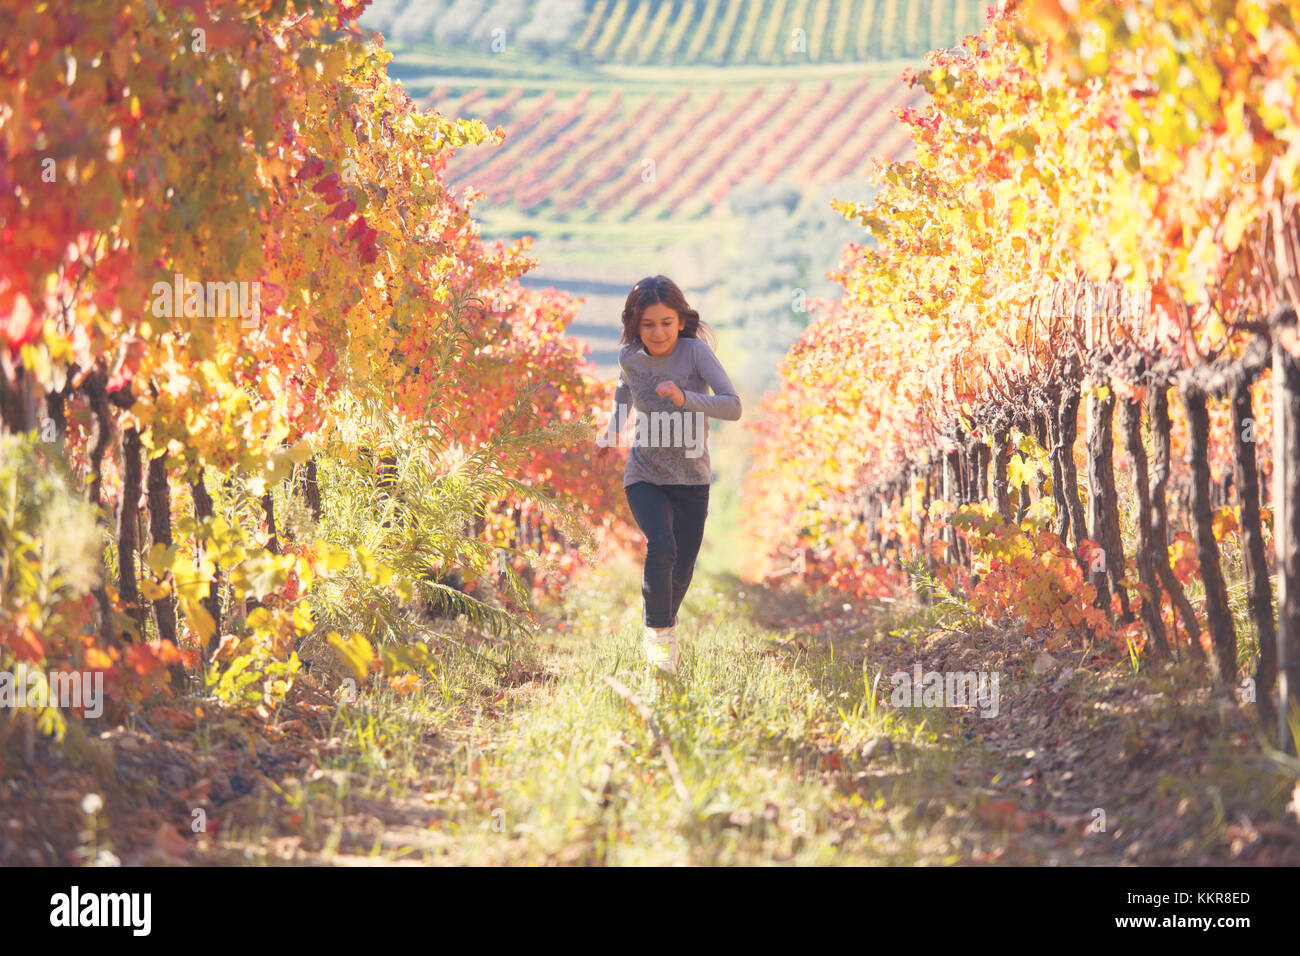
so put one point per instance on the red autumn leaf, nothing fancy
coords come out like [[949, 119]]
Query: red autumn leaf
[[21, 326], [311, 169], [26, 645], [326, 184], [270, 296], [1182, 551], [368, 251]]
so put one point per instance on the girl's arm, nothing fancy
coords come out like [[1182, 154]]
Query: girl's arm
[[724, 403], [623, 401]]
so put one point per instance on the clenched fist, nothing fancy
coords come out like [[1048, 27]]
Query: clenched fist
[[670, 390]]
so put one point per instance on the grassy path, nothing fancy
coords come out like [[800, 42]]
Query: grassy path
[[784, 755]]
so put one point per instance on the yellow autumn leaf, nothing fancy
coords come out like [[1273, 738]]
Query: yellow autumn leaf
[[302, 622], [300, 451], [160, 559], [153, 590], [355, 652], [98, 659], [1215, 330], [200, 621], [330, 558], [1235, 224], [1021, 471]]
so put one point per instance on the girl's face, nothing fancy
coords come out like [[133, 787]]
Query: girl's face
[[659, 328]]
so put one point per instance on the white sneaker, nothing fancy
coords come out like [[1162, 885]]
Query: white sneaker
[[661, 651]]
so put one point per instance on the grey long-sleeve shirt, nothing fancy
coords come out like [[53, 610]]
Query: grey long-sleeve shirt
[[669, 445]]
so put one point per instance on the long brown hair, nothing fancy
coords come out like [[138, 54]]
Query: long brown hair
[[653, 290]]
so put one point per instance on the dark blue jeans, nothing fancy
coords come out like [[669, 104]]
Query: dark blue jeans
[[672, 519]]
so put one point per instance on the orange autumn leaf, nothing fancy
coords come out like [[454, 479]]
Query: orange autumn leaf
[[142, 660], [1225, 522], [172, 717], [166, 652], [403, 683]]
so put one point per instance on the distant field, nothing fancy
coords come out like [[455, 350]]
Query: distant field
[[613, 153], [725, 32], [684, 32], [637, 133]]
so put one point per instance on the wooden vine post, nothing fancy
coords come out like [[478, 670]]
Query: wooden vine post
[[203, 511], [949, 494], [1231, 380], [160, 532], [914, 505], [1252, 544], [1286, 515], [981, 472], [923, 539], [1161, 428], [1001, 459], [309, 484], [1130, 421], [1104, 499], [1218, 616], [128, 527], [963, 481], [1027, 426], [1068, 429], [1054, 456]]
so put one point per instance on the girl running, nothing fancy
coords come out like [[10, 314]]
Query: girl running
[[665, 368]]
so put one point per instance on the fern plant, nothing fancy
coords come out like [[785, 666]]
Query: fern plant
[[407, 497], [945, 607]]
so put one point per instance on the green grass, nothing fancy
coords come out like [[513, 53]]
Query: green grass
[[767, 744], [523, 753], [520, 752], [583, 779]]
